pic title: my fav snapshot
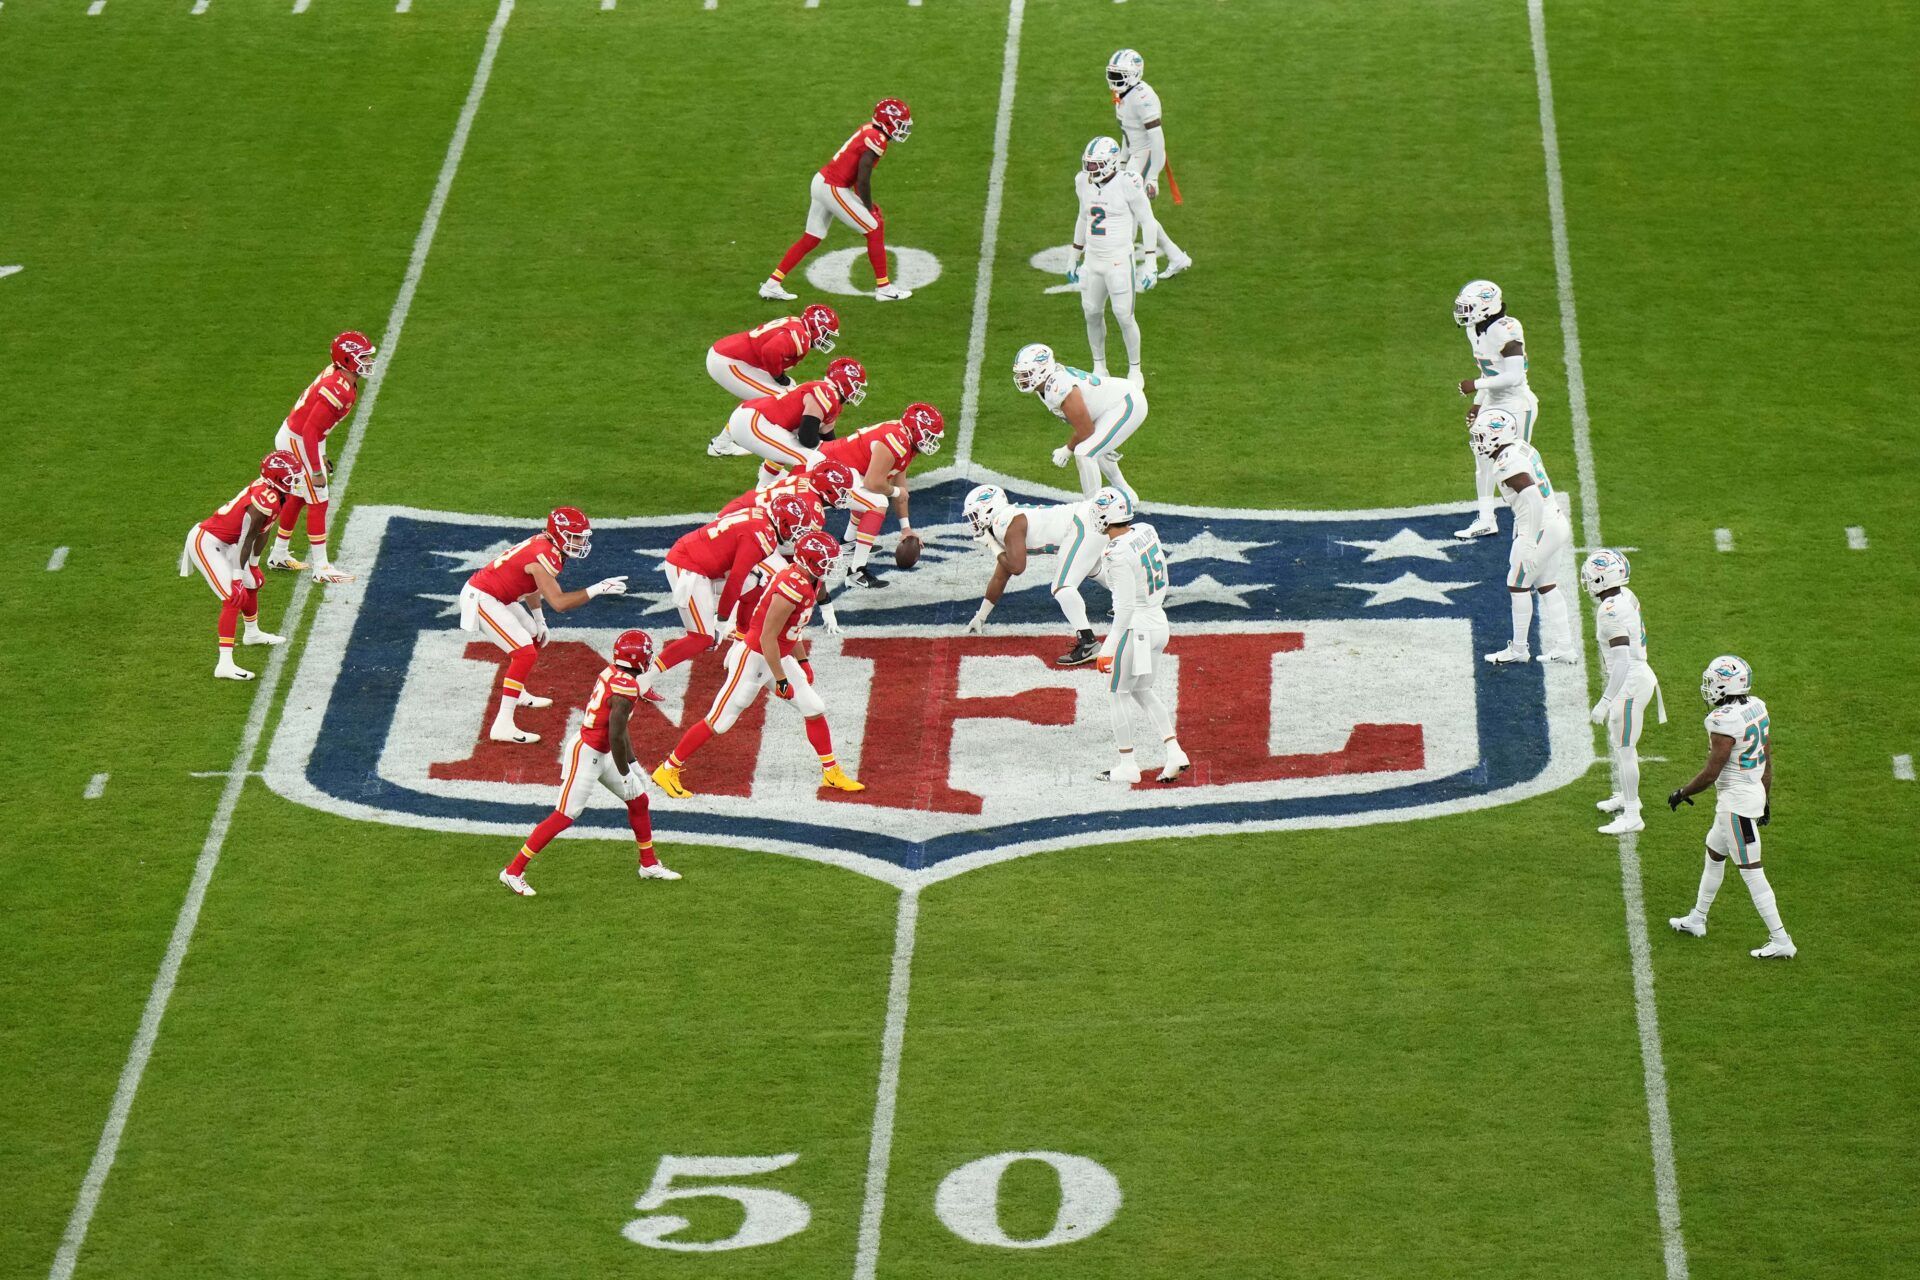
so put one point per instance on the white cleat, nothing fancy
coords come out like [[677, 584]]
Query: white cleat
[[516, 883], [1780, 948], [722, 446], [228, 669], [1482, 528], [533, 700], [1612, 804], [1177, 763], [329, 574], [1100, 369], [892, 293], [512, 733], [1562, 657], [1176, 265], [1136, 379], [774, 291], [1512, 653], [1689, 923], [1125, 774], [659, 871], [1624, 825], [253, 635]]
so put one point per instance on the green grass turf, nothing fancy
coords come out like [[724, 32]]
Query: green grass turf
[[1384, 1050]]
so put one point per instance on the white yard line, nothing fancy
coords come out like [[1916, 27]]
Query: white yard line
[[163, 983], [1723, 539], [1903, 768], [96, 787], [1856, 538], [989, 240], [58, 560], [1666, 1182], [880, 1147]]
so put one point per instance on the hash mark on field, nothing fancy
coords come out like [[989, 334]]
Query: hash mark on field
[[711, 4], [58, 560], [96, 786], [1723, 539], [403, 6], [1903, 768], [200, 7], [606, 5], [93, 10], [15, 268], [300, 6], [1856, 538], [811, 4]]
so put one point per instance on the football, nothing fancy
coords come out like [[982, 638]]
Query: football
[[907, 553]]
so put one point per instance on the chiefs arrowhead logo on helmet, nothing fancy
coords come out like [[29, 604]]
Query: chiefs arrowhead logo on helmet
[[280, 469], [788, 516], [568, 528], [823, 326], [848, 378], [891, 117], [831, 480], [632, 650], [354, 352], [924, 425], [815, 552]]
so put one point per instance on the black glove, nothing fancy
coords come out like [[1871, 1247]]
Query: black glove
[[1674, 801], [1766, 814]]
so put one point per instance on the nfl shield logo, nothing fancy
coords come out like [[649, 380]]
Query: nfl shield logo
[[1325, 670]]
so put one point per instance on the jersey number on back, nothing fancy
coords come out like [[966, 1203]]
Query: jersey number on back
[[1088, 378], [1156, 569], [1756, 740]]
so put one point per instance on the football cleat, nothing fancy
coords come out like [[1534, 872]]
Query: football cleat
[[1612, 804], [1692, 923], [1176, 265], [254, 635], [533, 700], [1483, 528], [892, 293], [1177, 763], [1512, 653], [1083, 652], [652, 694], [511, 733], [516, 883], [329, 574], [861, 578], [1624, 825], [658, 871], [1780, 948], [774, 291], [1566, 657], [722, 446], [837, 778], [228, 669], [279, 561], [1125, 773], [1136, 379], [668, 780]]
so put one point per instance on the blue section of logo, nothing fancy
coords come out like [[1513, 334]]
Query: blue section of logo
[[1262, 566]]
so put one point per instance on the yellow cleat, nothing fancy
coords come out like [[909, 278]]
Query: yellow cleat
[[668, 780], [298, 566], [837, 779]]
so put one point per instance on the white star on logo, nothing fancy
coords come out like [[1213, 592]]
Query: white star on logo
[[1408, 586], [468, 561], [1402, 544], [452, 603], [1206, 546], [1206, 589]]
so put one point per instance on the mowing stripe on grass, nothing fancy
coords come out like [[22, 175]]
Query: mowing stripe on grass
[[1666, 1182], [96, 787], [1903, 768], [1856, 538], [989, 240], [1723, 539], [880, 1146], [163, 983]]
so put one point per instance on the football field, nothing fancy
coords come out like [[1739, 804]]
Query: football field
[[1364, 995]]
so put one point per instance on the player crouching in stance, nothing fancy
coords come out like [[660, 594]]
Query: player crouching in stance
[[880, 455], [602, 749], [495, 604], [785, 430], [1500, 349], [1740, 770], [843, 189], [1135, 568], [754, 364], [771, 649], [226, 548], [1099, 412], [1112, 206], [1631, 685], [1070, 530], [1541, 535], [708, 569], [323, 406]]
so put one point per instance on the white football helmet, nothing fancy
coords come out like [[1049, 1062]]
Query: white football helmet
[[1479, 300], [1112, 506], [1101, 159], [1725, 677], [983, 506], [1033, 366], [1604, 570], [1124, 70], [1493, 430]]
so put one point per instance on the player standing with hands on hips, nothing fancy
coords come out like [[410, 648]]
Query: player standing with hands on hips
[[1137, 107]]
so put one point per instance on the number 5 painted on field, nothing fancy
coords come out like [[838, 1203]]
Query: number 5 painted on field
[[771, 1216]]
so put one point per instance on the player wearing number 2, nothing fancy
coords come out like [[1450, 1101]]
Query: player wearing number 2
[[1740, 770], [1135, 569], [1101, 414], [843, 190], [1113, 207], [1631, 685], [1137, 107]]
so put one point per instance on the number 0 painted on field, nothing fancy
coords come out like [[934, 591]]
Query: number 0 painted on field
[[771, 1216], [968, 1200]]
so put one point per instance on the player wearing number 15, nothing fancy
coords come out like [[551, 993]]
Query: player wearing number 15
[[1100, 413], [1740, 770], [1135, 569], [502, 602]]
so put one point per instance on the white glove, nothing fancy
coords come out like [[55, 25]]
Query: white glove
[[539, 628], [979, 624], [831, 619], [1073, 272], [1149, 273], [1062, 456], [614, 586], [1600, 709]]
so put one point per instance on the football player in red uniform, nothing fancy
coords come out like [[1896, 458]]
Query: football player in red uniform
[[771, 649], [880, 455], [323, 406], [226, 547], [755, 363], [602, 751], [786, 430], [708, 570], [502, 602], [843, 189]]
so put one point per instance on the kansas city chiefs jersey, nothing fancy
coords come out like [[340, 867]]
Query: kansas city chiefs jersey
[[1738, 788], [1487, 346]]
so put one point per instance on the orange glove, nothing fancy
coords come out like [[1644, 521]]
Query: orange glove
[[1104, 664]]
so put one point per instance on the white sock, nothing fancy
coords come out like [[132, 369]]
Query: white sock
[[1110, 467], [1763, 902], [1074, 606], [317, 555], [1122, 723], [1097, 335], [1555, 634], [1174, 252], [1130, 334], [1483, 486], [1710, 876], [768, 474], [861, 550], [1157, 714], [503, 718], [1627, 761], [1522, 603]]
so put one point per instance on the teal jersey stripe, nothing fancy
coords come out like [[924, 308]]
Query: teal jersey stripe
[[1118, 653], [1124, 418], [1066, 561]]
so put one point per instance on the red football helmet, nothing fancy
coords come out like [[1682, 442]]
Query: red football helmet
[[570, 531], [788, 516], [632, 650], [893, 119], [815, 552], [280, 469], [354, 352], [831, 479], [924, 425], [848, 377], [823, 326]]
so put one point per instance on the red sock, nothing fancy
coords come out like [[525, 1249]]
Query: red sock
[[690, 741], [520, 860], [877, 254], [641, 820], [822, 740], [290, 508], [519, 667], [687, 647], [317, 522], [229, 619], [801, 248], [550, 826]]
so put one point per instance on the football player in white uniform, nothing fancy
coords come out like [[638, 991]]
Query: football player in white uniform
[[1144, 149], [1112, 207], [1100, 412], [1740, 770], [1541, 536], [1631, 685], [1500, 349], [1135, 568], [1011, 533]]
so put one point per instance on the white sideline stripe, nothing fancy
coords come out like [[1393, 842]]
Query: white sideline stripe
[[58, 560], [163, 982], [96, 787], [1666, 1182], [1723, 539], [880, 1148], [989, 240], [1856, 538], [1903, 768]]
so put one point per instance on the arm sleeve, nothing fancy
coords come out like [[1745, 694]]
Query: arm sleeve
[[1156, 152], [809, 432], [1080, 229], [1143, 212], [1512, 372], [744, 561], [1619, 663]]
